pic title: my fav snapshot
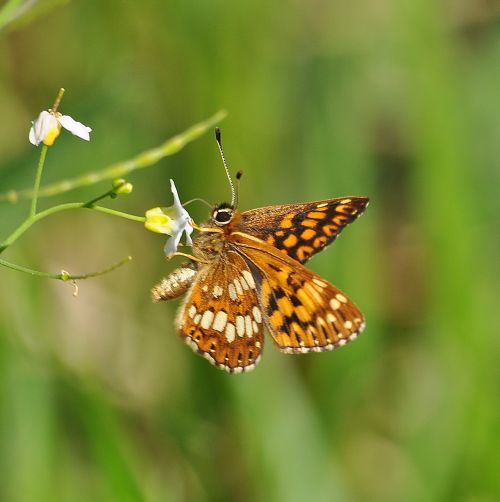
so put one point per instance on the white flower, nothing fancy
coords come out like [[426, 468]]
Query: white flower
[[173, 221], [47, 126]]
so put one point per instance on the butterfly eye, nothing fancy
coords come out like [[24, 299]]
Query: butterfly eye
[[223, 216]]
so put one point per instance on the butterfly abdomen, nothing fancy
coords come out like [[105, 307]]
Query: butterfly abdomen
[[175, 284]]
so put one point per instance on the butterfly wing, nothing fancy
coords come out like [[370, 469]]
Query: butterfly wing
[[301, 230], [303, 312], [220, 318]]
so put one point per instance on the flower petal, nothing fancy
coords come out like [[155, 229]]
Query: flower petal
[[182, 217], [188, 230], [44, 125], [74, 127], [172, 244], [177, 202], [173, 221], [157, 220]]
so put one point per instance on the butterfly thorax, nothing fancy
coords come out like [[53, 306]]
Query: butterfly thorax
[[212, 241], [208, 246]]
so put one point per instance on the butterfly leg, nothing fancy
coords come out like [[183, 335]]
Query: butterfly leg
[[190, 257]]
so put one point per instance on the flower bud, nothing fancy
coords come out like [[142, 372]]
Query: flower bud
[[121, 186]]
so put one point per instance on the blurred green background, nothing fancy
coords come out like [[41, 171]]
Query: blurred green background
[[398, 100]]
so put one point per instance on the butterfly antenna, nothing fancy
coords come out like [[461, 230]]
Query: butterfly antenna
[[197, 199], [239, 174], [234, 192]]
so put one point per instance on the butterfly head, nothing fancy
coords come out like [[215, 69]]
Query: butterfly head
[[223, 214]]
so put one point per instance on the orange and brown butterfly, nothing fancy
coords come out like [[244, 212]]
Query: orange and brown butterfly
[[247, 273]]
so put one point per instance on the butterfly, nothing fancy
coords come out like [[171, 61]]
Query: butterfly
[[248, 274]]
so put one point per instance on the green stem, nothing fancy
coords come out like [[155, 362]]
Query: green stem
[[59, 97], [64, 276], [120, 169], [26, 270], [38, 177], [110, 193], [127, 216], [56, 209]]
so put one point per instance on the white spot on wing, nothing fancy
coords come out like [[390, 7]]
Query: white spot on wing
[[244, 284], [248, 326], [334, 303], [257, 314], [341, 298], [220, 321], [207, 318], [240, 325], [331, 318], [192, 311], [191, 343], [238, 287], [217, 291], [230, 332], [232, 292], [319, 283], [248, 278]]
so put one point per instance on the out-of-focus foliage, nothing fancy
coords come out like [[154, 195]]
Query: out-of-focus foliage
[[395, 99]]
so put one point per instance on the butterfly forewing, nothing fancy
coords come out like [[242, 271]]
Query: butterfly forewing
[[301, 230], [302, 311], [221, 318]]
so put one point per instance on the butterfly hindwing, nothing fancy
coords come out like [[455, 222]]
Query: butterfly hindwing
[[301, 230], [221, 318], [303, 312]]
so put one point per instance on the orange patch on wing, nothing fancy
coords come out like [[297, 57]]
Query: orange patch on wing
[[276, 319], [307, 234], [306, 300], [297, 329], [330, 229], [316, 215], [309, 223], [319, 241], [285, 306], [302, 313], [284, 339], [303, 252], [311, 290], [266, 289], [340, 220], [287, 221], [290, 241]]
